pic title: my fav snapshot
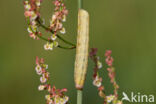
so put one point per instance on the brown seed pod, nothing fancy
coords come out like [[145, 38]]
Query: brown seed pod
[[81, 61]]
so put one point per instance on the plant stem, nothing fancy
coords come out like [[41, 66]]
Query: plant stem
[[79, 92], [79, 96], [66, 41], [66, 47], [80, 4], [63, 47]]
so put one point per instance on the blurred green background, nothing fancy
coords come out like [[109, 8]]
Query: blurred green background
[[127, 27]]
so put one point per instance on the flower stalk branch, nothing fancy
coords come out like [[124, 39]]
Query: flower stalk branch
[[48, 29], [32, 14], [60, 46], [45, 39]]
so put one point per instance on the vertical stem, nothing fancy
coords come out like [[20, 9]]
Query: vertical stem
[[79, 92], [80, 4], [79, 96]]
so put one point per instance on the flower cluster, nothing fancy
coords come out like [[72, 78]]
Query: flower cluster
[[41, 69], [97, 80], [54, 96], [56, 24], [95, 58], [111, 71], [58, 17], [50, 45], [32, 13]]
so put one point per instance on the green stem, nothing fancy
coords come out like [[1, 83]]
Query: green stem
[[80, 4], [66, 41], [46, 28], [63, 47], [79, 96], [66, 47], [79, 92]]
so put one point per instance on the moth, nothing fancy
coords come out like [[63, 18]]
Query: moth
[[81, 61]]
